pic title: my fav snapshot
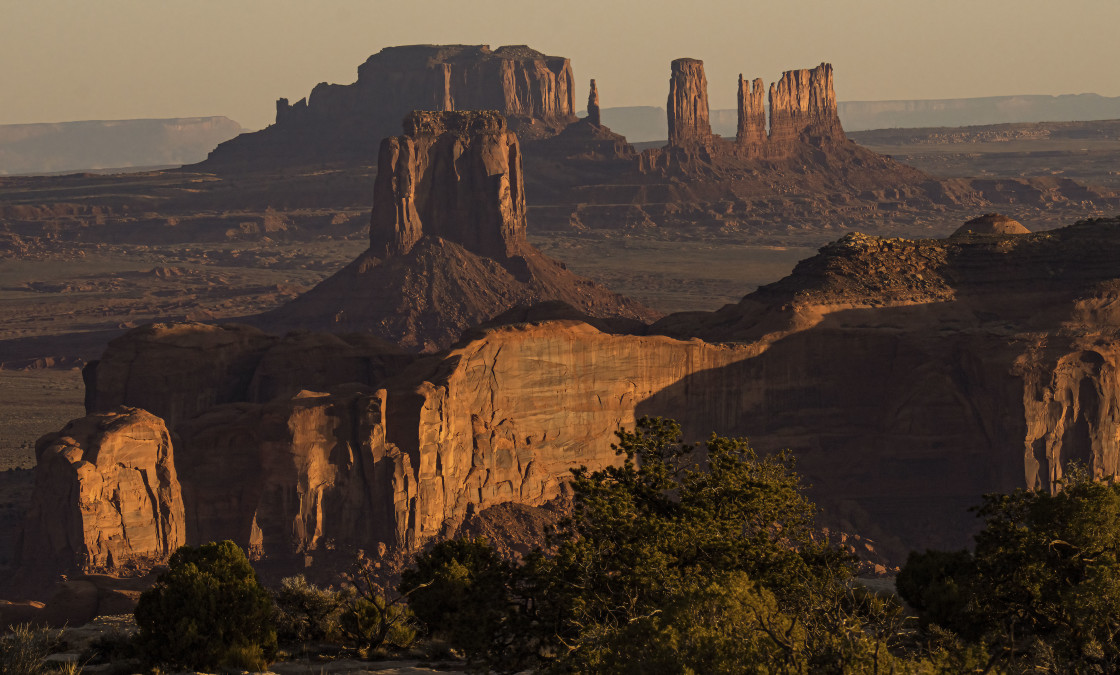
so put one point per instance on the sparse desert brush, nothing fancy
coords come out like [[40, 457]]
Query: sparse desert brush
[[22, 651]]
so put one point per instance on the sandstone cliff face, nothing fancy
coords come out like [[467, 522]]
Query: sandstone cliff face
[[447, 242], [457, 176], [106, 494], [752, 116], [314, 471], [803, 103], [345, 122], [687, 107], [909, 378]]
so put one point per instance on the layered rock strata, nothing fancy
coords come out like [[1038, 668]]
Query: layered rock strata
[[106, 494]]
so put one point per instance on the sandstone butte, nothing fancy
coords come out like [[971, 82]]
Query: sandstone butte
[[584, 176], [908, 376], [344, 122], [447, 243]]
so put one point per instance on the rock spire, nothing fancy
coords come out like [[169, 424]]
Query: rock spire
[[687, 107], [593, 105], [752, 116]]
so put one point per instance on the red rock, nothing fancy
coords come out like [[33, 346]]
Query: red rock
[[803, 104], [106, 494], [687, 107], [448, 247], [456, 176], [536, 92], [752, 116]]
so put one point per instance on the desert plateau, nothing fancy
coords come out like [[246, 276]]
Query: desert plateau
[[436, 370]]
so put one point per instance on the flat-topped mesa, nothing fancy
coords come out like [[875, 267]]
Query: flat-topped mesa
[[687, 107], [593, 116], [453, 175], [803, 106], [752, 115], [534, 91]]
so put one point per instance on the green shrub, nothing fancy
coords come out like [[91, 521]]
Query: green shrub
[[377, 623], [1041, 590], [373, 618], [208, 610], [307, 613], [681, 559]]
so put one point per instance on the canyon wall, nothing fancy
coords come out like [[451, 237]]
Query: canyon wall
[[909, 377]]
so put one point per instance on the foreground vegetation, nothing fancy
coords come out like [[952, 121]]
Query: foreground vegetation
[[683, 559]]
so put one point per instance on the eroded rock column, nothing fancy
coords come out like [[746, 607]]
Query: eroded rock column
[[687, 107]]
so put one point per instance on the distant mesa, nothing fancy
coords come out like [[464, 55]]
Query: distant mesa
[[991, 223], [96, 145], [447, 243], [338, 122]]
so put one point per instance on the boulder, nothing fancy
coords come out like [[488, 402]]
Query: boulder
[[106, 494], [991, 223]]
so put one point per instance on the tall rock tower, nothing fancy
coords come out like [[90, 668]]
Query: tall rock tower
[[453, 175], [687, 107]]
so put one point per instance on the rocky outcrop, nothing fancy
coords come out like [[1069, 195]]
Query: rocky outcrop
[[345, 122], [106, 494], [991, 223], [447, 242], [687, 107], [751, 131], [456, 176], [593, 116], [803, 104]]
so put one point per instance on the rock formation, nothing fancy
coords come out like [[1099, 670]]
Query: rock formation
[[593, 105], [456, 176], [106, 494], [908, 376], [687, 107], [752, 116], [803, 103], [448, 247], [345, 122], [991, 223]]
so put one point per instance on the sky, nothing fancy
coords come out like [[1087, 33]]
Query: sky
[[66, 60]]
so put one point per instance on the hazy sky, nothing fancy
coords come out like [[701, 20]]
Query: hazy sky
[[120, 59]]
